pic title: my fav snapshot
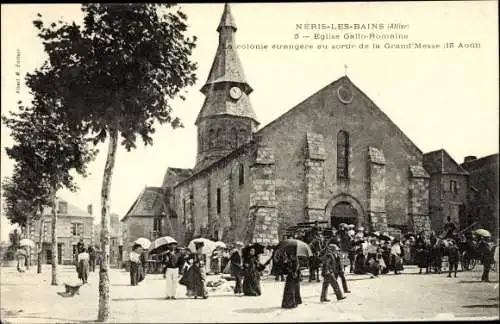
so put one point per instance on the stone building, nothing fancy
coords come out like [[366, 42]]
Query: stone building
[[335, 156], [448, 190], [483, 191], [73, 225]]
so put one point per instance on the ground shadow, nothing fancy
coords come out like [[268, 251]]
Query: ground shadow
[[142, 298], [48, 319], [481, 306], [476, 281], [257, 310]]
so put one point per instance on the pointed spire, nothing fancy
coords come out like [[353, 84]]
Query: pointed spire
[[227, 19], [226, 71]]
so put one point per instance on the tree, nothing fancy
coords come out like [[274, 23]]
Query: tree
[[24, 196], [48, 147], [116, 75]]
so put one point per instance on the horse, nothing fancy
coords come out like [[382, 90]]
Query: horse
[[436, 253]]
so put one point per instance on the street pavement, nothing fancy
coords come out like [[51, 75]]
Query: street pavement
[[29, 298]]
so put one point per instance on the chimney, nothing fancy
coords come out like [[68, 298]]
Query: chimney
[[470, 158], [89, 209], [63, 207]]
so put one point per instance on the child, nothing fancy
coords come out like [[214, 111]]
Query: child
[[453, 258]]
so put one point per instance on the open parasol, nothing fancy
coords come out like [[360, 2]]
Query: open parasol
[[208, 245], [220, 244], [161, 244], [143, 242], [27, 242], [295, 247], [482, 232]]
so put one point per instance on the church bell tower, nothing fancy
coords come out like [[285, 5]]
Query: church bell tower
[[226, 119]]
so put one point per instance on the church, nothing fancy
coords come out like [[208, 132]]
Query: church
[[334, 157]]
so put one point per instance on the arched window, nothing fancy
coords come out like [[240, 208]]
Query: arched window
[[242, 137], [242, 175], [211, 138], [233, 138], [342, 155], [219, 138]]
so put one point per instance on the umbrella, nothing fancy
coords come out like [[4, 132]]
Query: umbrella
[[482, 232], [295, 247], [208, 245], [386, 237], [259, 249], [144, 242], [27, 242], [160, 244], [220, 244]]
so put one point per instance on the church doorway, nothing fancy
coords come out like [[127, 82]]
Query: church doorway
[[343, 212]]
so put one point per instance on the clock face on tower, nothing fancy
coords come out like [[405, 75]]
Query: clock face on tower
[[235, 93]]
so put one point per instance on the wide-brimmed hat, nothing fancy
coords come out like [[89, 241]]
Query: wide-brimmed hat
[[333, 247]]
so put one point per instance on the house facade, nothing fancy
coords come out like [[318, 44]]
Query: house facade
[[483, 191], [73, 225], [448, 190]]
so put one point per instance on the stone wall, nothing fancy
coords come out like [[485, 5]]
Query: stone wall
[[322, 113], [230, 223], [376, 189], [419, 200], [314, 177], [263, 216]]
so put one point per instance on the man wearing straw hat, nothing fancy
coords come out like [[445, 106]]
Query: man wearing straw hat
[[174, 264]]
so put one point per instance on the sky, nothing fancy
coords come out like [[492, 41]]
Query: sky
[[439, 97]]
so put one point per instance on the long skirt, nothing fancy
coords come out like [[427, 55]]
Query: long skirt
[[291, 293], [421, 258], [195, 282], [83, 270], [359, 264], [251, 284]]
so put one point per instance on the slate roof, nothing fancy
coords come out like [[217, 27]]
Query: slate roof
[[175, 175], [72, 210], [226, 67], [150, 202], [440, 161]]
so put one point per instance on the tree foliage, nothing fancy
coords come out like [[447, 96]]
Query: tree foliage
[[46, 149], [120, 69], [115, 76], [23, 194]]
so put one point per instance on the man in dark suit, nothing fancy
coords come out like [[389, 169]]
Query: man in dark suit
[[329, 264], [339, 268], [237, 267]]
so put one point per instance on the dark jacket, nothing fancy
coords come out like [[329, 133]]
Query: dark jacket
[[236, 263], [173, 260], [330, 264]]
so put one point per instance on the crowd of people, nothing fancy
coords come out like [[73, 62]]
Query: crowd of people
[[361, 251]]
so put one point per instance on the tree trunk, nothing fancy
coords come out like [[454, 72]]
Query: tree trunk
[[103, 313], [28, 236], [54, 241], [40, 243]]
